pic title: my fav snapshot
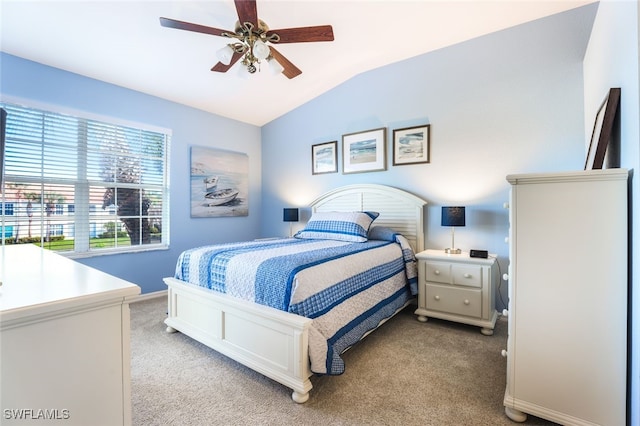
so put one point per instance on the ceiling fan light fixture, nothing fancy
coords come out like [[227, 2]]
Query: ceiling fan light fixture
[[225, 54], [261, 50], [275, 66], [243, 72]]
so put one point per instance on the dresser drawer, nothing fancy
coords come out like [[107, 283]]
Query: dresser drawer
[[439, 272], [467, 275], [459, 301]]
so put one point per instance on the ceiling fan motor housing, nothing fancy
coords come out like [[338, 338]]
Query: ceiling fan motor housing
[[241, 29]]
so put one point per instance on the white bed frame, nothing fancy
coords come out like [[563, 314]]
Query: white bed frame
[[272, 342]]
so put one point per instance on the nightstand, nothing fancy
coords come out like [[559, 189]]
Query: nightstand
[[457, 287]]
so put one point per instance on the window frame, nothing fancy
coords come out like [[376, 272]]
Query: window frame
[[82, 187]]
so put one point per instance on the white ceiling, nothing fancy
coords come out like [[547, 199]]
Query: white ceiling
[[122, 42]]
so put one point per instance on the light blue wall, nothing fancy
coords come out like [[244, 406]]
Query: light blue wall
[[612, 60], [41, 84], [509, 102]]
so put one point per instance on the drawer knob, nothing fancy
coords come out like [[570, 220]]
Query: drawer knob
[[436, 297], [466, 301], [505, 277], [504, 353], [467, 275], [436, 272]]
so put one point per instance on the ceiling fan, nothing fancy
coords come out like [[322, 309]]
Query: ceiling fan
[[252, 35]]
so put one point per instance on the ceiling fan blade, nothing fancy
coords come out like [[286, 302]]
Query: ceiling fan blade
[[290, 70], [180, 25], [220, 67], [247, 11], [304, 34]]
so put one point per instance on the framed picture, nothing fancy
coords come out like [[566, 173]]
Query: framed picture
[[364, 151], [411, 145], [602, 130], [219, 183], [324, 158]]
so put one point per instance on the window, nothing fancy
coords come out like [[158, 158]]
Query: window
[[83, 186]]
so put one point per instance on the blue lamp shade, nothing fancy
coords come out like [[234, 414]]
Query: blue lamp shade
[[290, 215], [452, 216]]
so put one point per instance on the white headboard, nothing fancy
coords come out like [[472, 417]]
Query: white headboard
[[399, 210]]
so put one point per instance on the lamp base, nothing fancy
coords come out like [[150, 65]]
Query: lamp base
[[452, 251]]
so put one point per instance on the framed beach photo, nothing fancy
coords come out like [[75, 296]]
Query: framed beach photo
[[411, 145], [324, 158], [364, 151]]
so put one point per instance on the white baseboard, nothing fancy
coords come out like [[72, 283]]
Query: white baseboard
[[148, 296]]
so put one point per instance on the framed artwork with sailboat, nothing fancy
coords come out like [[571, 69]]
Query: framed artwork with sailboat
[[219, 182]]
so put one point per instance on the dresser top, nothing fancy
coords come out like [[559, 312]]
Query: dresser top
[[574, 176], [35, 279]]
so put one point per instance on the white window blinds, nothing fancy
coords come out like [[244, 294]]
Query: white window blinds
[[80, 185]]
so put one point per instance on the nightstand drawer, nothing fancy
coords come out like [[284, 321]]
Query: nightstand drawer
[[438, 272], [468, 275], [454, 300]]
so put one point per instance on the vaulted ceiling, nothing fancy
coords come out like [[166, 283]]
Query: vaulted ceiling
[[122, 42]]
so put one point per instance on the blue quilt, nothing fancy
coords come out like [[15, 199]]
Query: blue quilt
[[346, 288]]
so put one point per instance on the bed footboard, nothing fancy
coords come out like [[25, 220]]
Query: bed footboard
[[271, 342]]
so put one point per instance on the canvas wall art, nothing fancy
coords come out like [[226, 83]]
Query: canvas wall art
[[219, 183]]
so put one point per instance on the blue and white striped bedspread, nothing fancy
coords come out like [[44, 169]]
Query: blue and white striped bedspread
[[346, 288]]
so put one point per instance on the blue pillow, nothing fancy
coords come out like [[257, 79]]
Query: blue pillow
[[382, 233], [340, 226]]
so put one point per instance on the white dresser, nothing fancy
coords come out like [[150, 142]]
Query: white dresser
[[457, 287], [64, 341], [567, 344]]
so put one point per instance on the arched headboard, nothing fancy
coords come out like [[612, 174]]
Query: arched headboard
[[399, 210]]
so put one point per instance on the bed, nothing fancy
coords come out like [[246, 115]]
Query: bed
[[282, 344]]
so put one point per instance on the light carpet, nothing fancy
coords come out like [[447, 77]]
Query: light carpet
[[404, 373]]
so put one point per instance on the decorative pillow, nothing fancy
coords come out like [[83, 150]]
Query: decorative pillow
[[341, 226], [382, 233]]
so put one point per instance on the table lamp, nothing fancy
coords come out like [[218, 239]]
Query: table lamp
[[453, 216], [290, 215]]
